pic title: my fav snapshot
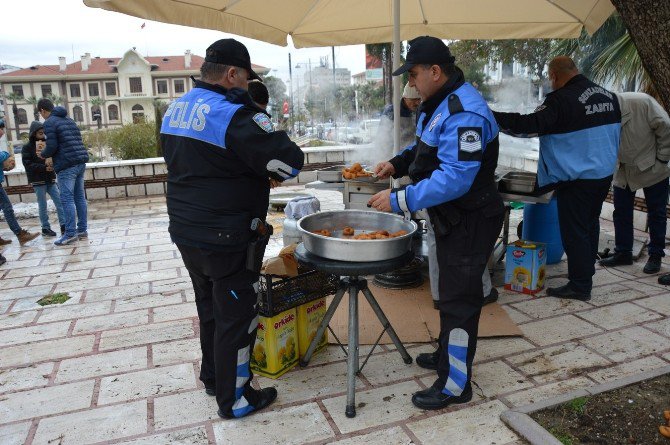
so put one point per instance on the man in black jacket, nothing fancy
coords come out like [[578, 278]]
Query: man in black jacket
[[579, 125], [42, 177], [220, 149], [70, 156]]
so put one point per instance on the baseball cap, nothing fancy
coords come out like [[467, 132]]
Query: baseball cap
[[230, 52], [425, 50]]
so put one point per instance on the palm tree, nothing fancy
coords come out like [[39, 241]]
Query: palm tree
[[33, 101], [56, 99], [609, 55], [15, 110]]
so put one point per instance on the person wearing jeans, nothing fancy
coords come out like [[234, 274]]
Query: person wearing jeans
[[643, 158], [71, 182], [65, 146], [6, 205], [41, 176]]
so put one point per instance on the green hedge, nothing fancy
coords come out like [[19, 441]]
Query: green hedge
[[134, 141]]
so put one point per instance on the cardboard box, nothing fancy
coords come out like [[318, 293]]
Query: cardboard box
[[309, 318], [525, 266], [276, 347]]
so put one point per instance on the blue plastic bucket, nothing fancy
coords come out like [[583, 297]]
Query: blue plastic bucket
[[540, 224]]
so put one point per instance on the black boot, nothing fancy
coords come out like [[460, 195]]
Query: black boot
[[48, 232], [3, 260], [434, 398], [618, 259], [492, 297], [653, 264], [664, 280], [264, 398], [568, 293], [428, 360]]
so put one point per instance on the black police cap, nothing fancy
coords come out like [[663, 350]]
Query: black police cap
[[425, 50], [230, 52]]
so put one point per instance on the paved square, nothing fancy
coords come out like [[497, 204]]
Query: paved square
[[118, 363]]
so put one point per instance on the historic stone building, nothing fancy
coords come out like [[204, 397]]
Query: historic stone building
[[123, 89]]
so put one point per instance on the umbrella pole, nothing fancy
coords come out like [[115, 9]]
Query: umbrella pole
[[397, 83]]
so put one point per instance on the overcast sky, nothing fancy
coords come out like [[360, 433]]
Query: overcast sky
[[37, 32]]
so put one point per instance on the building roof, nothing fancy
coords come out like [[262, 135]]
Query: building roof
[[104, 65]]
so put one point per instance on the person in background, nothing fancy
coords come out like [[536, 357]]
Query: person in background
[[261, 97], [408, 105], [41, 176], [452, 167], [217, 200], [642, 164], [7, 209], [65, 146], [579, 125], [259, 93]]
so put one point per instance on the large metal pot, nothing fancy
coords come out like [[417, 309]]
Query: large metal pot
[[341, 248]]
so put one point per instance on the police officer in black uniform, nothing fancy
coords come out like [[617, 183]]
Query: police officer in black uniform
[[452, 166], [579, 125], [221, 151]]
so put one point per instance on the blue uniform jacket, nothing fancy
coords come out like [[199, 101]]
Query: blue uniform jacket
[[579, 127], [459, 141], [221, 150]]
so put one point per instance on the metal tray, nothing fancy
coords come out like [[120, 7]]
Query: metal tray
[[367, 179], [341, 248], [330, 174], [520, 182]]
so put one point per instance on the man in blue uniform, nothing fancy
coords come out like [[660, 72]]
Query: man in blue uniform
[[220, 149], [579, 125], [452, 166]]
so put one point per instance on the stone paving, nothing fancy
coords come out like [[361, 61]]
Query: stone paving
[[118, 362]]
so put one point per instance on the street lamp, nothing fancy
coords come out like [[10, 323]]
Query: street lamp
[[309, 67]]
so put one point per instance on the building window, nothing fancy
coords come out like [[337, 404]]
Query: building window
[[113, 113], [161, 87], [77, 114], [95, 109], [46, 90], [138, 113], [93, 89], [75, 90], [18, 90], [135, 84], [110, 88], [22, 117], [179, 85]]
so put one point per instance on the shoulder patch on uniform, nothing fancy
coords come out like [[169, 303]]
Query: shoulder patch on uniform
[[434, 122], [540, 108], [263, 121], [470, 145]]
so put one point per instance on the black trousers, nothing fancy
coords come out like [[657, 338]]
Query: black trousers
[[462, 256], [228, 313], [656, 198], [579, 205]]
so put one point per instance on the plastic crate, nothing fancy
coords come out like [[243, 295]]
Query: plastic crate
[[277, 294]]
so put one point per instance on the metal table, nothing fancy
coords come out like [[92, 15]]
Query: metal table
[[351, 279]]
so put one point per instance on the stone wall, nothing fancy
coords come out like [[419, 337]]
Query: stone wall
[[144, 177]]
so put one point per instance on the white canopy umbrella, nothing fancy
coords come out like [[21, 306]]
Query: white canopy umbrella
[[347, 22]]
